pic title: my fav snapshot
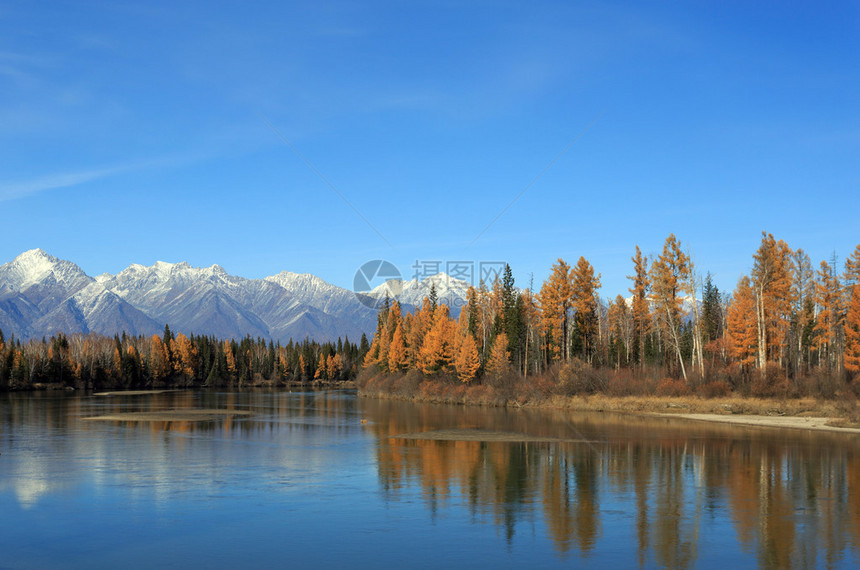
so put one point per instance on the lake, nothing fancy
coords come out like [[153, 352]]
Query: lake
[[327, 479]]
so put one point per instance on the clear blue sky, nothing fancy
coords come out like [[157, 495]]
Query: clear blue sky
[[137, 131]]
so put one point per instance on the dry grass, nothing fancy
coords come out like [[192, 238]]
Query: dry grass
[[561, 391]]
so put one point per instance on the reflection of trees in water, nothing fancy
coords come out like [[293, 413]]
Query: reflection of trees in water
[[787, 495]]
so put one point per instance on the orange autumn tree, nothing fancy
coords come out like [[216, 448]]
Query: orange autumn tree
[[466, 361], [771, 281], [851, 358], [584, 286], [397, 358], [641, 312], [436, 354], [500, 358], [555, 302], [669, 281], [827, 296], [741, 327]]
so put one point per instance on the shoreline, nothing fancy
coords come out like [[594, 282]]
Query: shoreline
[[813, 423], [799, 414]]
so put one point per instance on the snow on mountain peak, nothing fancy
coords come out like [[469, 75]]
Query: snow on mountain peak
[[35, 265]]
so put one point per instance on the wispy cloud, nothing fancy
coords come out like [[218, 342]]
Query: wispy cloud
[[22, 189], [12, 190]]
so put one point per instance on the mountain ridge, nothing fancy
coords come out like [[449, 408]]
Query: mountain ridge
[[42, 295]]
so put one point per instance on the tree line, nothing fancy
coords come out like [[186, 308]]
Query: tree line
[[784, 321], [96, 362]]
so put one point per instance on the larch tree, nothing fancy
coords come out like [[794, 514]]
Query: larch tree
[[397, 358], [500, 357], [641, 312], [851, 356], [532, 326], [852, 270], [466, 361], [584, 286], [741, 324], [437, 353], [828, 296], [668, 279], [621, 327], [802, 307], [691, 286], [771, 280], [555, 302]]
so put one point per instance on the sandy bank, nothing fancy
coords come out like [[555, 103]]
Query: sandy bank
[[480, 435], [172, 416], [133, 392], [793, 422]]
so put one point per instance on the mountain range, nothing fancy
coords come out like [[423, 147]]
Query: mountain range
[[41, 295]]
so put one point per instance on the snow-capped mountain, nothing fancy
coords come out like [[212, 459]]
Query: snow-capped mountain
[[449, 290], [41, 295]]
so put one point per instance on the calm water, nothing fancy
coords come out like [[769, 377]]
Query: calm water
[[319, 479]]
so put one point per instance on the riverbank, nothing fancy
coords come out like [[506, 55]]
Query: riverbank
[[795, 413]]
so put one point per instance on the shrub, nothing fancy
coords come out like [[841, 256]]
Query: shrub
[[578, 377], [714, 389], [771, 382], [672, 387], [624, 383]]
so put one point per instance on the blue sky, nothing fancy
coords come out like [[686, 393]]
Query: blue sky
[[135, 132]]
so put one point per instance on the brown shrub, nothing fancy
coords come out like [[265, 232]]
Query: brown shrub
[[625, 383], [714, 389], [578, 377], [771, 383], [408, 384], [673, 387]]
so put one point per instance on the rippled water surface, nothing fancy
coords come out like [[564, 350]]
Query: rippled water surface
[[327, 479]]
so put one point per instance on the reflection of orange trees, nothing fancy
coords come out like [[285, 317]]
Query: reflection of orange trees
[[570, 499], [789, 504]]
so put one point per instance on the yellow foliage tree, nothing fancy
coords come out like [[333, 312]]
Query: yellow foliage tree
[[397, 358], [320, 372], [641, 312], [500, 358], [668, 280], [436, 353], [186, 356], [467, 360], [771, 280], [159, 361], [741, 327], [852, 332], [828, 292], [584, 286], [229, 357], [555, 301]]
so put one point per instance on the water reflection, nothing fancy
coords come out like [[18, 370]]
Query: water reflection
[[785, 494], [612, 490]]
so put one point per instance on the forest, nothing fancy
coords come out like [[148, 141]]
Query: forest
[[787, 330], [95, 362]]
